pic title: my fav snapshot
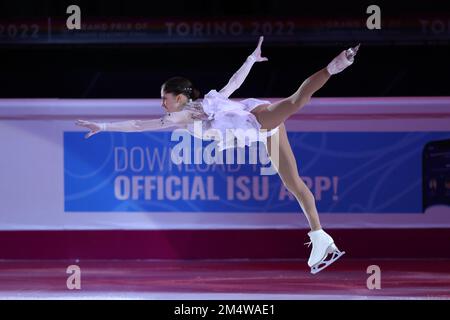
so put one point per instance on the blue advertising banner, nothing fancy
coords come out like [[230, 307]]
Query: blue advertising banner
[[348, 172]]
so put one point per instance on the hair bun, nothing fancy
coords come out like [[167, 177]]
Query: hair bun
[[195, 94]]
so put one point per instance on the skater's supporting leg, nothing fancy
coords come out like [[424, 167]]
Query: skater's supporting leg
[[287, 169], [286, 165]]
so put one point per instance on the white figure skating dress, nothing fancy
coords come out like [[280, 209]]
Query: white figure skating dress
[[222, 120]]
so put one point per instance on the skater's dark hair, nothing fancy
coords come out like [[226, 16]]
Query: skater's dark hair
[[177, 85]]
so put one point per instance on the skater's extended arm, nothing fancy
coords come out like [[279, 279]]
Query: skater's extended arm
[[239, 76], [174, 119], [136, 125]]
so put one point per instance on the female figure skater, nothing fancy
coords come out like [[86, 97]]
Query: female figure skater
[[179, 98]]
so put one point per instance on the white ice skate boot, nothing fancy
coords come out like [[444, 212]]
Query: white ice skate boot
[[343, 60], [322, 245]]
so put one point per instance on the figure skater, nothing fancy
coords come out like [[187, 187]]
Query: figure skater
[[217, 111]]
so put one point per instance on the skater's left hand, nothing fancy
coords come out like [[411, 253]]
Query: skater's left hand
[[257, 53], [93, 126]]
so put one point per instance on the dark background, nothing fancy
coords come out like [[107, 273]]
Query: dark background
[[133, 70]]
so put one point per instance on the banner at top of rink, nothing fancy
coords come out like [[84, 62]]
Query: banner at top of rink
[[417, 29]]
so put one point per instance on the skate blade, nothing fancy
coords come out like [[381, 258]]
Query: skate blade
[[336, 254]]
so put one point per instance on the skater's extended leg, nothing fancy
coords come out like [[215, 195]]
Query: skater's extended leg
[[274, 114]]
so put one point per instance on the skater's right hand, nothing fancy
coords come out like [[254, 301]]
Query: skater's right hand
[[93, 126], [257, 53]]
